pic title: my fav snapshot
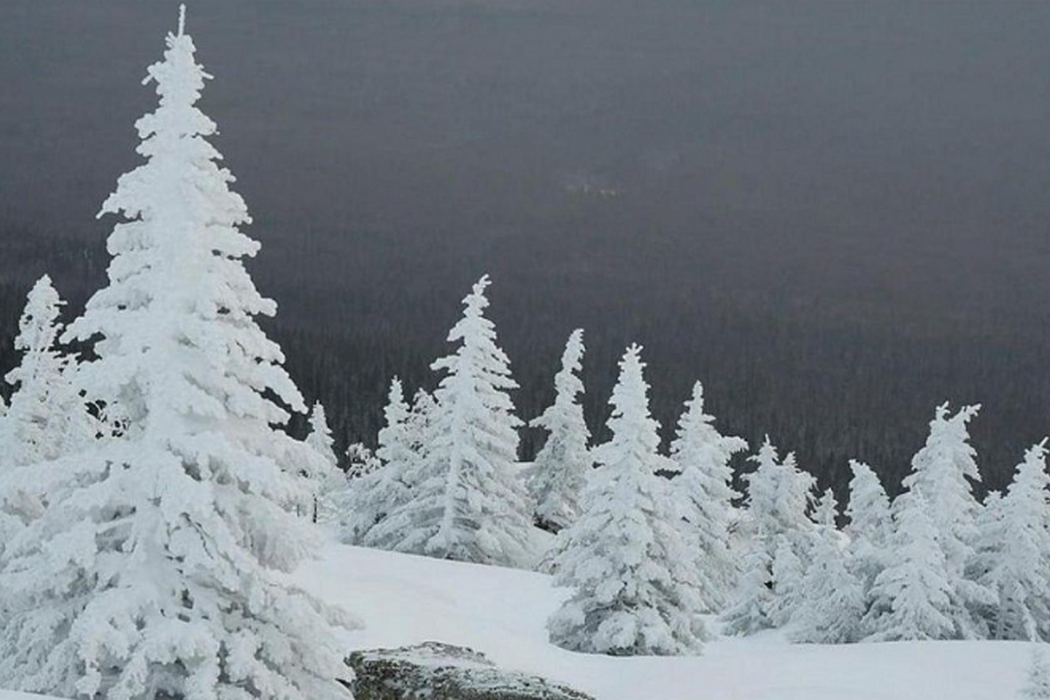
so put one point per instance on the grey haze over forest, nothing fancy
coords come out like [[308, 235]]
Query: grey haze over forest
[[836, 214]]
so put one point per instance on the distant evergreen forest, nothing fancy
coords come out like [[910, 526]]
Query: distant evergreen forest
[[829, 387]]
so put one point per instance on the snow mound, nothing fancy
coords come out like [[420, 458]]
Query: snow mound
[[406, 600]]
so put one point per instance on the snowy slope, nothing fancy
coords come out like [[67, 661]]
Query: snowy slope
[[405, 599], [12, 695]]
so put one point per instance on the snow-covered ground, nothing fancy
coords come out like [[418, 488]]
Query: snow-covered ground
[[406, 599], [12, 695]]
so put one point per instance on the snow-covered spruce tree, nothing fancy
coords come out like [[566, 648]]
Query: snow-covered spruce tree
[[1019, 567], [700, 455], [636, 588], [468, 502], [779, 495], [831, 602], [989, 531], [47, 418], [793, 558], [911, 596], [787, 572], [396, 449], [417, 425], [988, 553], [322, 469], [319, 436], [870, 524], [562, 466], [749, 611], [158, 568], [943, 473], [371, 497]]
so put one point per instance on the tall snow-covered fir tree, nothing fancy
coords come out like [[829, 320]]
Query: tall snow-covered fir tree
[[703, 486], [47, 418], [562, 466], [158, 568], [911, 597], [831, 602], [468, 502], [373, 496], [1018, 570], [870, 524], [636, 591], [943, 473]]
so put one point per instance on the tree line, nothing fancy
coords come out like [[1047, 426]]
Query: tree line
[[830, 389]]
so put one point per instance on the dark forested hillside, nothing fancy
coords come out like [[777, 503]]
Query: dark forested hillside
[[836, 217], [827, 386]]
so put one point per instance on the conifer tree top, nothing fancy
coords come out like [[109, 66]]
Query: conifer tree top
[[567, 384], [318, 418], [948, 442], [697, 397], [37, 328], [573, 354], [41, 312], [826, 509], [630, 422], [694, 417], [478, 358], [1036, 454], [767, 452], [696, 430], [476, 301]]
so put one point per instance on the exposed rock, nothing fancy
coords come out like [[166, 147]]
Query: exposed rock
[[437, 671]]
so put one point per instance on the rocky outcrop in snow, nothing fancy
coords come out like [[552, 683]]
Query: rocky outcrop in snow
[[439, 671]]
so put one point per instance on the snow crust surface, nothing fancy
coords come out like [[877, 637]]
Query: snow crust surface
[[405, 599]]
